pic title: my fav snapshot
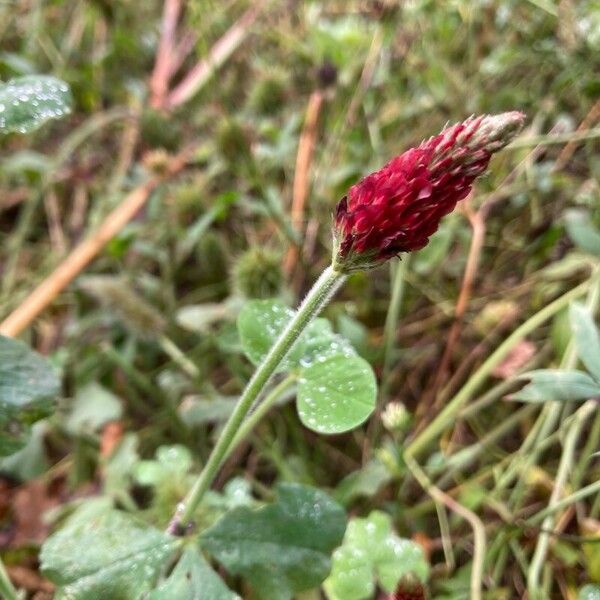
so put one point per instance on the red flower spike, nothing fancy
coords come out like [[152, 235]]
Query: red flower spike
[[397, 208]]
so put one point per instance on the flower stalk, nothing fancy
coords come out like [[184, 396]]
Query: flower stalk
[[320, 294]]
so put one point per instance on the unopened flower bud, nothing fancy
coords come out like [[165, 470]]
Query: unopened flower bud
[[395, 417], [397, 208]]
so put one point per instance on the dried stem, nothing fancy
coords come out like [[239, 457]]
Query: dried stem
[[304, 158], [163, 67], [219, 53], [469, 516], [86, 251], [567, 152], [477, 221], [447, 416]]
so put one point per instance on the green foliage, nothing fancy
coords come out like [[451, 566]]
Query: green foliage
[[232, 141], [259, 324], [589, 592], [158, 131], [282, 548], [104, 554], [200, 317], [168, 476], [587, 338], [122, 301], [396, 72], [321, 343], [27, 385], [192, 578], [372, 552], [337, 394], [199, 411], [336, 388], [563, 385], [364, 482], [26, 103], [268, 94]]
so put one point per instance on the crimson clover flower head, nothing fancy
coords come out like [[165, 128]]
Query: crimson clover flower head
[[397, 208]]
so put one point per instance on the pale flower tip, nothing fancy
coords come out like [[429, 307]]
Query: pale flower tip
[[395, 417], [502, 128]]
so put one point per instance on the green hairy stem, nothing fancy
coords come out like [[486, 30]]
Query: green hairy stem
[[320, 294]]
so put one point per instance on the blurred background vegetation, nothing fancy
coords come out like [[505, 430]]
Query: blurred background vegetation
[[146, 338]]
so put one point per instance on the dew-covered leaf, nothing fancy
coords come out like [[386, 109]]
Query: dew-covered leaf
[[259, 324], [372, 552], [261, 321], [587, 337], [105, 554], [589, 592], [282, 548], [170, 461], [24, 374], [26, 103], [555, 384], [192, 579], [336, 394], [27, 384], [320, 342]]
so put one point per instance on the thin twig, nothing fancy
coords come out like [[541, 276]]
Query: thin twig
[[87, 250], [332, 151], [567, 152], [57, 235], [479, 537], [304, 158], [127, 147], [566, 464], [182, 50], [219, 53], [477, 221], [163, 67]]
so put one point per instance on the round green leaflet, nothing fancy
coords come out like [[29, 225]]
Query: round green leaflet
[[336, 394]]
